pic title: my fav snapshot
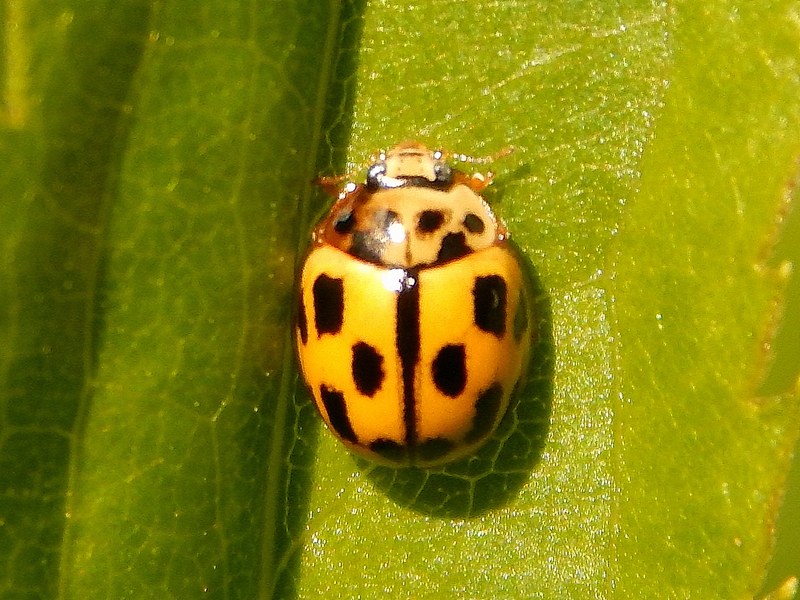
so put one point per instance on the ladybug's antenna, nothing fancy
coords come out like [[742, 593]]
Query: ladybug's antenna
[[478, 182], [479, 160], [337, 185]]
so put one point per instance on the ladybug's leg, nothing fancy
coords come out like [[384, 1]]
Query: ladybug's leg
[[332, 185], [477, 182]]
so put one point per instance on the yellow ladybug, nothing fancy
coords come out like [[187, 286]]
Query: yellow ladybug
[[413, 322]]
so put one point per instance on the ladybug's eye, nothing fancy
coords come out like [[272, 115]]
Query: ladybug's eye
[[443, 172], [374, 175]]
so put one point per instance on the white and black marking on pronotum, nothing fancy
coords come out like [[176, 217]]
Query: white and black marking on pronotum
[[473, 223], [429, 221], [454, 245], [368, 235]]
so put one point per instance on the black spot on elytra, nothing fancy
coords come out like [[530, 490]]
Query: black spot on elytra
[[302, 323], [473, 223], [521, 317], [345, 222], [450, 370], [390, 450], [434, 449], [454, 245], [430, 221], [336, 408], [328, 295], [367, 367], [487, 407], [489, 297]]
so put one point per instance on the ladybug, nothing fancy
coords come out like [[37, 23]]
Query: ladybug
[[413, 322]]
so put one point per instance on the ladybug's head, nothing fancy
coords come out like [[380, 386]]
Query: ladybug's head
[[409, 164]]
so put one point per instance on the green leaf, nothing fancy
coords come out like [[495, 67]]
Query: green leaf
[[155, 201]]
